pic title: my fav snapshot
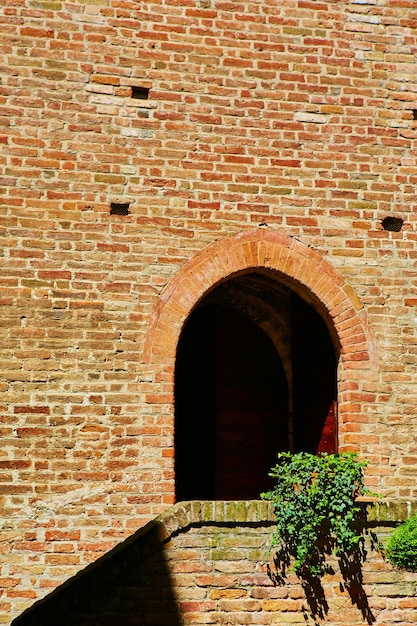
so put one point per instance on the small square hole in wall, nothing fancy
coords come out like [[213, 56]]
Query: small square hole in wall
[[394, 224], [414, 112], [140, 93], [119, 208]]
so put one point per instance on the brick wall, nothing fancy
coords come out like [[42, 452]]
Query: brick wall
[[209, 563], [275, 135]]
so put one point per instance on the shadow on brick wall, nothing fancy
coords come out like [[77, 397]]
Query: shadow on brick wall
[[349, 565], [129, 585]]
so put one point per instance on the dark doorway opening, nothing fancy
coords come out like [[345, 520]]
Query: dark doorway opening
[[255, 375], [314, 384], [231, 407]]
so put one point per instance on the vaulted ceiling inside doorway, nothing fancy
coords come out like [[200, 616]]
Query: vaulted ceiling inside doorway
[[264, 301]]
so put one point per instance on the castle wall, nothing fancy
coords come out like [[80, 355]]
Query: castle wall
[[290, 122]]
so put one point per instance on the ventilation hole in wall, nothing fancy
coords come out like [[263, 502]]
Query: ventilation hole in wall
[[119, 208], [140, 93], [394, 224], [414, 114]]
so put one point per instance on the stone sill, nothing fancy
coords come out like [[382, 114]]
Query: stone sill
[[259, 512]]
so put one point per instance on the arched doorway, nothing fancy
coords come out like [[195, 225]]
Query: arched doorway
[[255, 374], [305, 272]]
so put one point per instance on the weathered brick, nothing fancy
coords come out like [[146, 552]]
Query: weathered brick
[[271, 142]]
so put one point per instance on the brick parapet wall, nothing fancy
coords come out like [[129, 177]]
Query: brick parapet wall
[[209, 563]]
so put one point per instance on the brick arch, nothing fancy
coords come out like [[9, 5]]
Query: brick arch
[[251, 250], [304, 270]]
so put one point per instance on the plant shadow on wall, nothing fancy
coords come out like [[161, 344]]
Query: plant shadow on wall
[[317, 515]]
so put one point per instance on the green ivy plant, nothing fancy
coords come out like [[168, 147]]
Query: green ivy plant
[[401, 549], [316, 508]]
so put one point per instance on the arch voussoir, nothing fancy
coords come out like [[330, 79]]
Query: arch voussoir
[[247, 251]]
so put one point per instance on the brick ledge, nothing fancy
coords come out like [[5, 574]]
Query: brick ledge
[[192, 513]]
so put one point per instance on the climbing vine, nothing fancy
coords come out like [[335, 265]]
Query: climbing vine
[[316, 508]]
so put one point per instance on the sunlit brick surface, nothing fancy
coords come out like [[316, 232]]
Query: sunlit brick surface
[[266, 134]]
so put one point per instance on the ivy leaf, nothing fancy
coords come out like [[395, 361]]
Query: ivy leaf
[[314, 504]]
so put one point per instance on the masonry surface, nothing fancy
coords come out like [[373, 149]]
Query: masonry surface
[[274, 136], [210, 563]]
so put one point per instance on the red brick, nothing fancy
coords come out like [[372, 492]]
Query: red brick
[[272, 142]]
